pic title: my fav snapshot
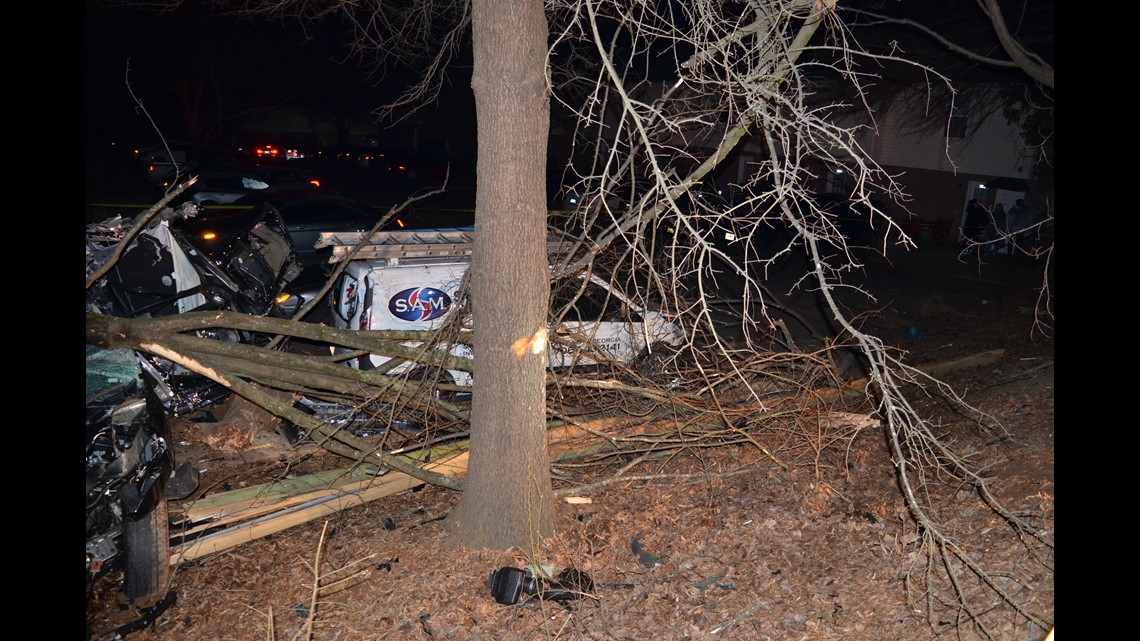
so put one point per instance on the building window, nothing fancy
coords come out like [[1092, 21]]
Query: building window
[[960, 119], [836, 181]]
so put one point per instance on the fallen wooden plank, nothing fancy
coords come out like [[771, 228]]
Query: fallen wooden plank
[[570, 438], [239, 512], [281, 491], [391, 483], [222, 503]]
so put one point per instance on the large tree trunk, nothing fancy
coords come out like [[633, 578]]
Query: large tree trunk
[[507, 500]]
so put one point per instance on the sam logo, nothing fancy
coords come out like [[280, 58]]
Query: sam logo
[[419, 304]]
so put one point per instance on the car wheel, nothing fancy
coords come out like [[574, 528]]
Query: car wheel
[[147, 546]]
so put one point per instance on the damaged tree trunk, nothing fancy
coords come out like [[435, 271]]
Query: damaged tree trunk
[[509, 501]]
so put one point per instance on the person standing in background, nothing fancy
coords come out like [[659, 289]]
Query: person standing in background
[[1020, 219], [997, 230], [974, 222]]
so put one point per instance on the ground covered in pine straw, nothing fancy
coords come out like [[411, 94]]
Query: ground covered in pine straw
[[741, 549]]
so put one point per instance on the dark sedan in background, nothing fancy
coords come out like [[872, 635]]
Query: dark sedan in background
[[225, 187], [308, 213]]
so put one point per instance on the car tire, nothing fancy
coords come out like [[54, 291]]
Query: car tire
[[146, 542]]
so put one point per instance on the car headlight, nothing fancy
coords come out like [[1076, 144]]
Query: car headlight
[[289, 303]]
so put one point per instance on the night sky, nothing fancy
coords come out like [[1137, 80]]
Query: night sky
[[256, 65]]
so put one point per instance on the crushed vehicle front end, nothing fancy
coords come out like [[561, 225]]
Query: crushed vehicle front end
[[182, 263], [130, 473]]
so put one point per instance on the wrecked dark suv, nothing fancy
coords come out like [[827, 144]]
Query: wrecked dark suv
[[183, 262], [177, 263]]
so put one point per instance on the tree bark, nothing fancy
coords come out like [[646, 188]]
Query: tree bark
[[508, 500]]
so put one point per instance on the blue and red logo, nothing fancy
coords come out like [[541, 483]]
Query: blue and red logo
[[419, 304]]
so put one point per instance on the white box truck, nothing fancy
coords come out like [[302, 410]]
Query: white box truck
[[411, 280]]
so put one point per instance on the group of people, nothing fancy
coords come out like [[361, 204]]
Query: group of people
[[1000, 230]]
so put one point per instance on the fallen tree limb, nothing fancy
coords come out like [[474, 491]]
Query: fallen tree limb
[[974, 360], [857, 389]]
